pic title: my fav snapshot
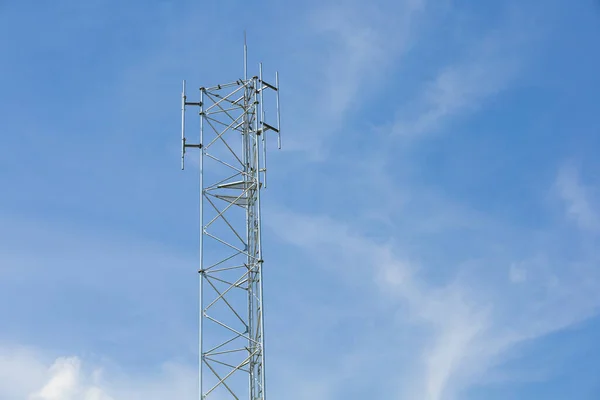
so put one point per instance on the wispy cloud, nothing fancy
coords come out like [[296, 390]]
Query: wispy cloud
[[577, 199], [473, 318], [484, 68], [517, 274], [357, 43], [365, 41]]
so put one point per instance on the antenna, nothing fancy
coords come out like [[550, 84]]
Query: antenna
[[233, 172], [278, 112], [185, 145], [245, 58], [183, 126]]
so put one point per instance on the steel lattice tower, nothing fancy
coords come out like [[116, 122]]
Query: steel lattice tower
[[233, 150]]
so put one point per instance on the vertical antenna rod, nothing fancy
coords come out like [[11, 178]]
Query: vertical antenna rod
[[233, 148], [262, 127], [183, 126], [278, 113], [245, 58]]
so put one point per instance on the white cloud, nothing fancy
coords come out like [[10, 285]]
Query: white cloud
[[21, 372], [69, 378], [362, 48], [472, 318], [66, 382], [487, 67], [459, 326], [29, 374], [63, 382], [576, 197], [517, 274], [353, 45]]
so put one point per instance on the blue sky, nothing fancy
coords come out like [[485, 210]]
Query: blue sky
[[432, 224]]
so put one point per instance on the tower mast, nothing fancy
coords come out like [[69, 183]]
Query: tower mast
[[233, 172]]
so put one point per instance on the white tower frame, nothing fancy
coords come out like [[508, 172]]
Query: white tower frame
[[233, 150]]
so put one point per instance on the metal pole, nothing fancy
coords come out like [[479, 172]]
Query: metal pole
[[262, 127], [245, 58], [278, 113], [260, 263], [201, 276], [183, 126], [247, 182], [255, 233]]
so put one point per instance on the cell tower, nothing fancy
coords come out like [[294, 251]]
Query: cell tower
[[233, 170]]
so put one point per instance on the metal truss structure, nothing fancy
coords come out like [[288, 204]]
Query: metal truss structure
[[233, 150]]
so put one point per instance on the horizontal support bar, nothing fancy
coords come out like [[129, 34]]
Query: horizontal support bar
[[199, 146], [269, 85], [239, 82], [270, 127], [191, 103]]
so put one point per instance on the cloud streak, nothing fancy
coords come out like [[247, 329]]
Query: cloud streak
[[486, 68], [473, 319], [358, 44], [576, 198]]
